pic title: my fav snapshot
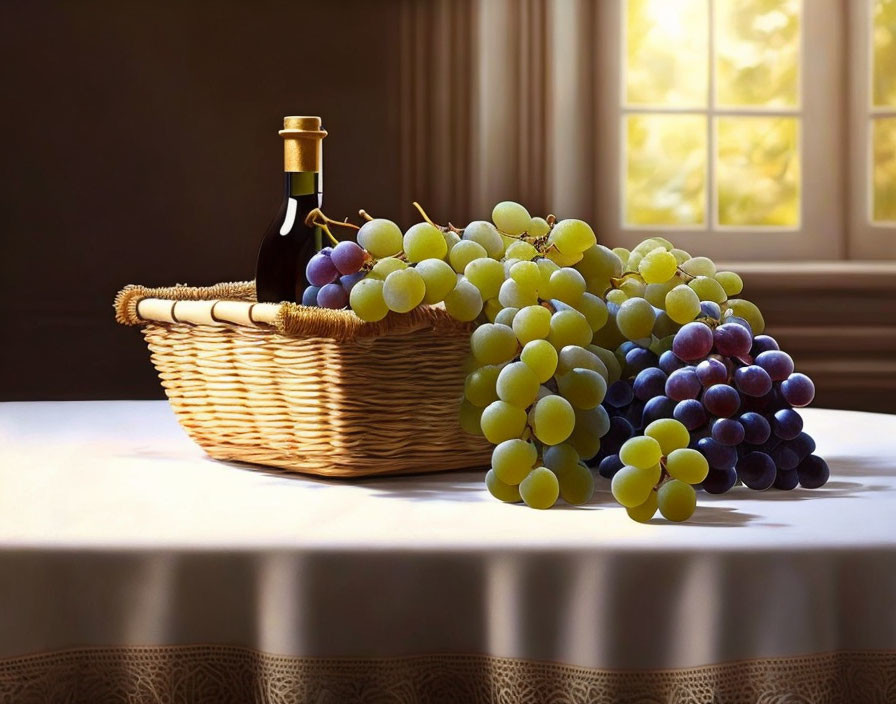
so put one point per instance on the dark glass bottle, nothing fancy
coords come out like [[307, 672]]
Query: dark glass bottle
[[288, 242]]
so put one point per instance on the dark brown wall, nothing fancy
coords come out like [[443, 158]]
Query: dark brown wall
[[140, 146]]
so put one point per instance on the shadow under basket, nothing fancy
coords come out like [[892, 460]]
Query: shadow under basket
[[307, 389]]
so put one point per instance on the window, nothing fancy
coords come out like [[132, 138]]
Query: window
[[723, 121]]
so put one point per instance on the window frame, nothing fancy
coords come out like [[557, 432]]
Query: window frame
[[821, 233]]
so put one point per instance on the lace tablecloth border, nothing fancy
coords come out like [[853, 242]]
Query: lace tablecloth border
[[217, 673]]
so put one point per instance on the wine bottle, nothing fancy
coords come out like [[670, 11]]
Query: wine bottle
[[289, 241]]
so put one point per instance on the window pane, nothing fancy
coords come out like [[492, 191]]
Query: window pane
[[885, 53], [665, 169], [667, 47], [883, 145], [757, 52], [758, 171]]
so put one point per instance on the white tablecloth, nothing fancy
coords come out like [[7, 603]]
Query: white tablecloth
[[116, 532]]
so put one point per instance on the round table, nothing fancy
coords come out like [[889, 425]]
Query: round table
[[133, 567]]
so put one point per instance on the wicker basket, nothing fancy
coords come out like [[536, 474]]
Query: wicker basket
[[305, 389]]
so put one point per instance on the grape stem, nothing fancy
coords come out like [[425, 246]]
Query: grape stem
[[426, 217], [616, 282], [331, 221], [364, 214], [690, 277]]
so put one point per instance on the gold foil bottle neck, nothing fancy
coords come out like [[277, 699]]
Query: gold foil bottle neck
[[302, 143]]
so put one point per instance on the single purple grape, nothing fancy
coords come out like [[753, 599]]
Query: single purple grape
[[787, 424], [785, 458], [752, 380], [779, 365], [798, 390], [737, 320], [712, 371], [320, 270], [786, 479], [349, 280], [309, 296], [620, 430], [710, 309], [656, 408], [732, 340], [638, 359], [692, 342], [619, 394], [609, 465], [633, 413], [683, 384], [803, 445], [348, 257], [756, 470], [756, 428], [718, 481], [763, 343], [718, 455], [769, 445], [727, 431], [690, 413], [721, 400], [332, 296], [813, 472], [669, 362]]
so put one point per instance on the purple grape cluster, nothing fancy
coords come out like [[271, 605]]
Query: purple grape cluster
[[331, 274], [735, 393]]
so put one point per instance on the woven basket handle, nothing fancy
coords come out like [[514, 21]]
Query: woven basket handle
[[164, 310]]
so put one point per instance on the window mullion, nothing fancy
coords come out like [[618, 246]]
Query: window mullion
[[711, 215]]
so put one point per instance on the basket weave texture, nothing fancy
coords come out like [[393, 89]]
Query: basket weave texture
[[310, 390]]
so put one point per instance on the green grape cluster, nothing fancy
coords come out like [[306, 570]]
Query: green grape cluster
[[556, 315]]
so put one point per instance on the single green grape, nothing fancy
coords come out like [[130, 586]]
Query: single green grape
[[573, 356], [485, 234], [635, 318], [569, 327], [380, 237], [526, 274], [644, 512], [589, 427], [623, 255], [600, 262], [546, 269], [583, 388], [451, 238], [748, 311], [487, 275], [553, 419], [517, 384], [576, 485], [561, 259], [512, 460], [677, 500], [492, 309], [680, 255], [502, 421], [631, 486], [655, 294], [511, 217], [567, 285], [669, 433], [464, 303], [731, 282], [423, 241], [513, 294], [633, 288], [532, 323], [572, 236], [480, 386], [642, 452], [521, 250], [560, 458], [541, 357], [658, 266], [708, 289], [465, 252], [699, 266], [540, 489], [366, 300], [688, 465], [493, 344], [506, 316], [594, 310], [611, 363], [439, 279], [470, 418], [508, 493], [386, 266], [403, 290], [617, 296], [538, 227], [682, 304]]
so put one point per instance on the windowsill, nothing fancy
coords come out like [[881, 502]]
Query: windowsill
[[845, 274]]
